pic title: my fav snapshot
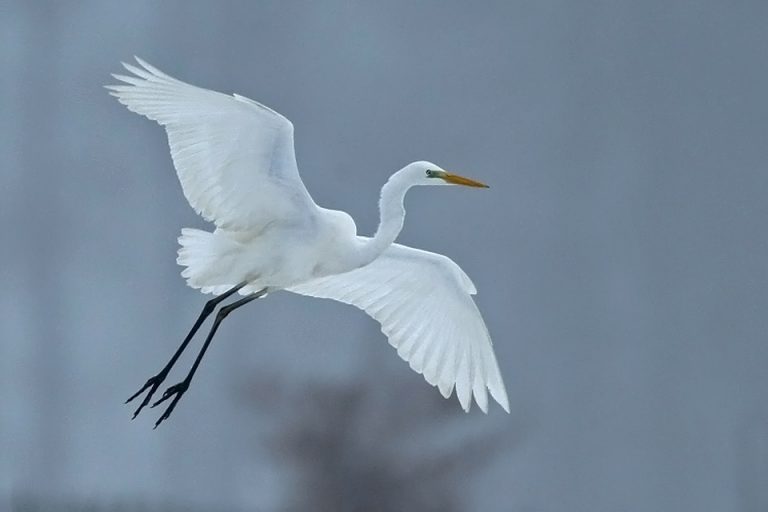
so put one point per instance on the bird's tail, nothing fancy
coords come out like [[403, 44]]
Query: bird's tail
[[206, 256]]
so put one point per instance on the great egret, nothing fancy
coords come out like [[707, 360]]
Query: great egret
[[236, 164]]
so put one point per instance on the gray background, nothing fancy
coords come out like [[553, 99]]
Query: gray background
[[620, 255]]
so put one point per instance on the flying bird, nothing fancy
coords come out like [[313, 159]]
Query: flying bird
[[236, 163]]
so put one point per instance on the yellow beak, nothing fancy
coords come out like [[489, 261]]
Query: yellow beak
[[455, 179]]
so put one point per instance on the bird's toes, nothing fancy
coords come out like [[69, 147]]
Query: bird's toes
[[162, 399], [152, 384], [143, 388], [176, 389], [168, 411]]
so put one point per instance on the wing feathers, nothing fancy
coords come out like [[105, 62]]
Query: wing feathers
[[233, 155], [423, 303]]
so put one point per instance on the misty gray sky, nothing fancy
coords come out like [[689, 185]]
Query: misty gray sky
[[620, 254]]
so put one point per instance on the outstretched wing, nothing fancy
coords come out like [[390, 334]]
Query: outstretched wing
[[423, 302], [234, 156]]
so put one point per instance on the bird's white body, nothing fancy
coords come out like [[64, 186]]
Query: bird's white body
[[236, 164], [276, 257]]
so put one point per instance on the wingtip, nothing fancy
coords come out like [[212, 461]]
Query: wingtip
[[149, 68], [505, 405], [144, 64], [123, 78], [499, 393]]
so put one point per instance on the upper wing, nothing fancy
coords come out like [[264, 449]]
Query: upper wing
[[234, 156], [423, 302]]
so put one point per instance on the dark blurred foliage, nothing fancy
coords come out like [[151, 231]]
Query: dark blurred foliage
[[353, 448]]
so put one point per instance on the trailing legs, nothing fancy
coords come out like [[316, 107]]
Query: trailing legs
[[154, 382]]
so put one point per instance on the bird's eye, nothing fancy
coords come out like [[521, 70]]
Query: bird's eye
[[429, 173]]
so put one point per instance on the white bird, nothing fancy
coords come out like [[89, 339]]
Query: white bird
[[237, 167]]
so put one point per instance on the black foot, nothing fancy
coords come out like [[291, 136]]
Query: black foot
[[175, 391], [152, 384]]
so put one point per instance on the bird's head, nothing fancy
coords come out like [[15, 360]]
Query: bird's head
[[427, 173]]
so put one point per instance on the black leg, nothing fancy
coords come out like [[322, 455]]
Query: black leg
[[178, 390], [154, 382]]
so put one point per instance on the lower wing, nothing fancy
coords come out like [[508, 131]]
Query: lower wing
[[423, 302]]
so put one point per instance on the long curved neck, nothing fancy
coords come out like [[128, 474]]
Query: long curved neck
[[392, 215]]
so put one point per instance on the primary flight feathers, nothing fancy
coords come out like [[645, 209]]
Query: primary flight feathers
[[423, 302], [234, 156]]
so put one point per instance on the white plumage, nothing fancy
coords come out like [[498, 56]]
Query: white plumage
[[423, 302], [236, 163], [234, 156]]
